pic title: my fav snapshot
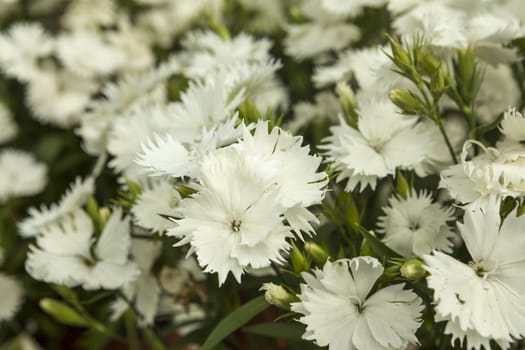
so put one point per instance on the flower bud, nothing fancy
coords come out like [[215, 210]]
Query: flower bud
[[413, 269], [407, 101], [299, 262], [277, 295], [318, 254]]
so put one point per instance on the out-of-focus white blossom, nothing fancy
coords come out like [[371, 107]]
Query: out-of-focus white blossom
[[8, 128], [20, 174]]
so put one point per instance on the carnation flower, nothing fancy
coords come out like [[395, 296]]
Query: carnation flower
[[20, 174], [11, 300], [325, 31], [340, 311], [206, 52], [157, 200], [237, 210], [58, 98], [383, 141], [131, 91], [415, 225], [74, 198], [482, 300], [21, 48], [86, 54], [68, 252], [496, 172], [513, 125]]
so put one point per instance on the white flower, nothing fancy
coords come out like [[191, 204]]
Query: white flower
[[21, 48], [206, 52], [11, 293], [74, 198], [415, 225], [20, 174], [495, 172], [130, 91], [236, 210], [58, 98], [513, 125], [8, 128], [145, 291], [341, 312], [484, 299], [383, 141], [490, 101], [280, 158], [159, 198], [68, 253], [325, 108], [130, 130], [325, 31], [86, 54]]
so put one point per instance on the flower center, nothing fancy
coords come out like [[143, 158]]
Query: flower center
[[236, 225]]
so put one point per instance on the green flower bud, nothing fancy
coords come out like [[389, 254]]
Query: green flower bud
[[413, 269], [299, 262], [277, 295], [318, 253], [63, 313], [409, 102]]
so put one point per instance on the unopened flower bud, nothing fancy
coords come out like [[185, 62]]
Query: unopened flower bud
[[277, 295], [299, 262], [407, 101], [318, 253], [413, 269]]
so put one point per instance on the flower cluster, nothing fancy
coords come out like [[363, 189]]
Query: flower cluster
[[166, 163]]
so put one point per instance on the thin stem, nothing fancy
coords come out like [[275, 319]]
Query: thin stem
[[447, 140], [131, 331]]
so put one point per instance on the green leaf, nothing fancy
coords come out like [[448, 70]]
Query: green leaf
[[234, 321], [63, 313], [289, 331], [379, 248]]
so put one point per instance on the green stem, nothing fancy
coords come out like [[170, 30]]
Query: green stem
[[131, 330], [447, 140]]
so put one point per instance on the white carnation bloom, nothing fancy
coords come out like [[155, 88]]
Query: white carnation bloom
[[206, 52], [325, 31], [86, 54], [234, 209], [59, 98], [485, 299], [67, 252], [8, 128], [513, 125], [325, 108], [495, 172], [11, 293], [282, 160], [341, 312], [130, 131], [21, 48], [383, 141], [145, 291], [490, 101], [131, 91], [157, 199], [169, 156], [416, 226], [20, 174], [74, 198]]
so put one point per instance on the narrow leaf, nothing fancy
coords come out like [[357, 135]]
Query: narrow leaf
[[289, 331], [379, 248], [234, 321]]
